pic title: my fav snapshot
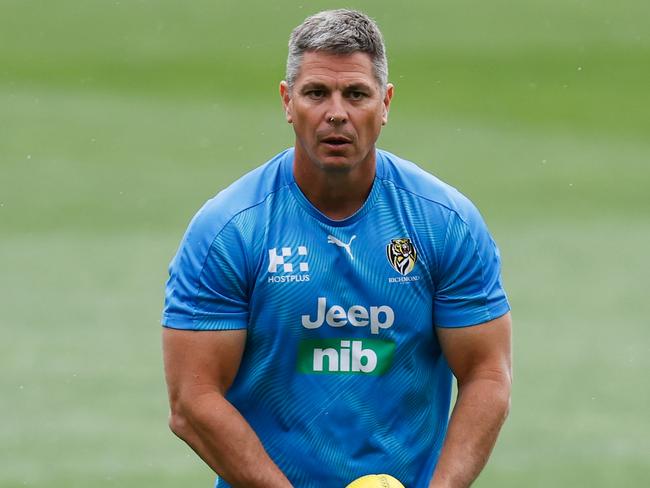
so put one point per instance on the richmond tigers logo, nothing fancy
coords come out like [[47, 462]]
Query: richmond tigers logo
[[401, 255]]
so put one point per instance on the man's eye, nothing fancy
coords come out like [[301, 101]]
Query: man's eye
[[356, 95], [316, 94]]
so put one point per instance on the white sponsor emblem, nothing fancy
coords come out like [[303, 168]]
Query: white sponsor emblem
[[378, 317], [283, 257], [334, 240]]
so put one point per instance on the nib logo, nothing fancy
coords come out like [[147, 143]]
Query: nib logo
[[345, 356]]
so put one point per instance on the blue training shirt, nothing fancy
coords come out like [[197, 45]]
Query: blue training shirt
[[342, 374]]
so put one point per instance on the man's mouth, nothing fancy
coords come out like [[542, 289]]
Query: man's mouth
[[336, 140]]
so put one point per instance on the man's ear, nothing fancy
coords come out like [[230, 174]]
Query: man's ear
[[390, 89], [285, 95]]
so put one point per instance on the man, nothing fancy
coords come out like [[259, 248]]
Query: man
[[317, 307]]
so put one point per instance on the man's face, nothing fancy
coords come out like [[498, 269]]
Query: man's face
[[337, 109]]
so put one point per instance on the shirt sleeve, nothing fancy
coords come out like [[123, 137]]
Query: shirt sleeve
[[207, 287], [469, 289]]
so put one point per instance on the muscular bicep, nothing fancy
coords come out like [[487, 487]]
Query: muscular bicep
[[479, 351], [201, 361]]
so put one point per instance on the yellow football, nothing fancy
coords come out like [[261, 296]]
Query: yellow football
[[376, 481]]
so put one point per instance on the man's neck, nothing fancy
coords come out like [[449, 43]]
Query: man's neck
[[337, 195]]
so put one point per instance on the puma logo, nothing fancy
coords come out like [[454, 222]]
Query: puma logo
[[334, 240]]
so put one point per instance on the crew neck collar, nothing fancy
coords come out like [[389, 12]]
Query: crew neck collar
[[317, 214]]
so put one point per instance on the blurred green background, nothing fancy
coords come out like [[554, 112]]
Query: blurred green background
[[118, 119]]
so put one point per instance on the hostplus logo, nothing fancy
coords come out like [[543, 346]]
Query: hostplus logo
[[283, 263], [372, 356]]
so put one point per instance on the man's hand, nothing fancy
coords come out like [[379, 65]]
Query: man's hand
[[200, 366], [480, 358]]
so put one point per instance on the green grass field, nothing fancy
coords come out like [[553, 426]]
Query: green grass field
[[119, 119]]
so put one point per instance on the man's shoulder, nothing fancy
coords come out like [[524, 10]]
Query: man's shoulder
[[408, 178], [247, 192]]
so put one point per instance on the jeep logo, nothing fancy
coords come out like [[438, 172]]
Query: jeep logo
[[381, 317]]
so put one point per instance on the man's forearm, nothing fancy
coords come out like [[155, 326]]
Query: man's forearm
[[479, 413], [218, 433]]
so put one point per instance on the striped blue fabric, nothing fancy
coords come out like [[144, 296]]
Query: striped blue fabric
[[342, 373]]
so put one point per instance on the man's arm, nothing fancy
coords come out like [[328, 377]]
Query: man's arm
[[480, 358], [200, 366]]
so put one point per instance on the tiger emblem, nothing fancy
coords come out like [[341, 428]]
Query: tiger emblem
[[401, 255]]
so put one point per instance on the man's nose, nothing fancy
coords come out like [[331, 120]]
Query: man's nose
[[337, 114]]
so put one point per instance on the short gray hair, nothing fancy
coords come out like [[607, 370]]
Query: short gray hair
[[339, 31]]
